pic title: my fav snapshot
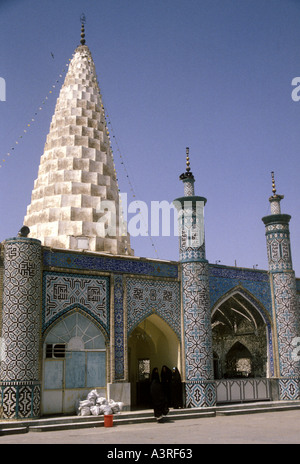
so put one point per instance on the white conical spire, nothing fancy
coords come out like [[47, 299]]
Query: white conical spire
[[75, 200]]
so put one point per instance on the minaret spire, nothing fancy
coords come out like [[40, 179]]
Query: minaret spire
[[187, 150], [275, 199], [187, 177], [83, 20], [187, 174], [273, 184]]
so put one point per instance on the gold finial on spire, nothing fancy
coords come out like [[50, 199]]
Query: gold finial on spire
[[187, 159], [187, 174], [275, 199], [273, 184], [83, 20]]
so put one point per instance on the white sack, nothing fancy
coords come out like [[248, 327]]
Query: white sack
[[95, 410], [85, 411], [101, 400], [92, 396], [105, 409]]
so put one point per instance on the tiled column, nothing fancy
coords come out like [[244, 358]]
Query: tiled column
[[199, 383], [21, 329], [284, 301]]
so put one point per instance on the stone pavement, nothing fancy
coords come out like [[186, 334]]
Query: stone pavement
[[261, 428]]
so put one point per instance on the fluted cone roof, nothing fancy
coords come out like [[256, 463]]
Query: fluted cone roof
[[75, 199]]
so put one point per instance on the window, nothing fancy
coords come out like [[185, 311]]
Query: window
[[144, 369], [57, 350], [75, 354]]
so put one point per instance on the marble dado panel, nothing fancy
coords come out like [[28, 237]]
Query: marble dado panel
[[145, 297], [62, 292]]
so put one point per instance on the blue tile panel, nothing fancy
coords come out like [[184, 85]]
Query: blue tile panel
[[223, 279], [197, 322], [63, 292], [119, 327], [287, 322], [289, 389], [147, 296], [109, 264], [200, 394]]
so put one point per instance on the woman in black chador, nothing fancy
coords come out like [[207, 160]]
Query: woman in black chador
[[176, 389], [166, 379], [158, 398]]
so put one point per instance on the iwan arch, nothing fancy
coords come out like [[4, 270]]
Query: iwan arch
[[80, 311], [241, 324]]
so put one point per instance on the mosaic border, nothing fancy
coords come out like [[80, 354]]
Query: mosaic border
[[289, 389], [109, 264], [148, 296], [201, 394], [119, 327], [20, 400], [78, 300]]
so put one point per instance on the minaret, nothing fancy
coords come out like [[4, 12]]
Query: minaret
[[284, 300], [75, 199], [197, 333]]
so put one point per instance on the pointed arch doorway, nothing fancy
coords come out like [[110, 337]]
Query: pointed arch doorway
[[74, 362], [151, 344], [241, 331]]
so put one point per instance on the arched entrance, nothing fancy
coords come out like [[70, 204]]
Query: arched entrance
[[239, 333], [151, 344], [239, 362], [74, 362]]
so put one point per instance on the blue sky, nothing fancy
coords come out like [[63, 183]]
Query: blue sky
[[214, 75]]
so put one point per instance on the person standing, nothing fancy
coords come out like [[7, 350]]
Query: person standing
[[159, 402], [176, 390], [166, 380]]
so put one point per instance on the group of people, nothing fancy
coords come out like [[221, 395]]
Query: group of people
[[166, 391]]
